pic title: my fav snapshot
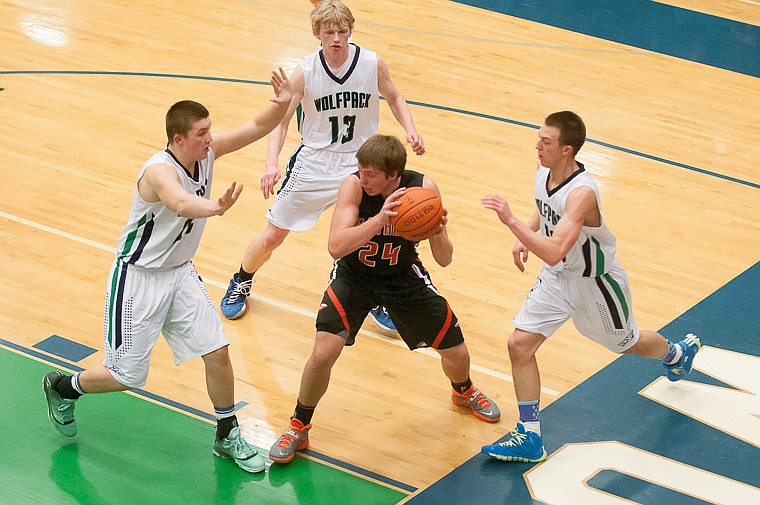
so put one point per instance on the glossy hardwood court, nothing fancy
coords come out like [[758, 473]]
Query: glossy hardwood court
[[673, 145]]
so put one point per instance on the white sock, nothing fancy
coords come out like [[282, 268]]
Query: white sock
[[679, 353], [534, 426]]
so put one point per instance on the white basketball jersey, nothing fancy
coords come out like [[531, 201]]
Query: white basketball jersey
[[593, 254], [155, 236], [340, 113]]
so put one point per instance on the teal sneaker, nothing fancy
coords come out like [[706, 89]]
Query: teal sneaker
[[482, 406], [60, 410], [690, 346], [294, 438], [233, 303], [520, 446], [235, 447], [382, 318]]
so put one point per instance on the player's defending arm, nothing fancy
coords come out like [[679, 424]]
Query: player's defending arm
[[276, 139], [346, 235], [580, 204], [256, 128], [399, 107], [440, 243], [161, 183]]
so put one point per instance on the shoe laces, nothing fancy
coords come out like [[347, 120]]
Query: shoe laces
[[480, 398], [292, 433], [516, 439], [477, 399], [238, 289], [241, 448], [66, 410], [287, 437]]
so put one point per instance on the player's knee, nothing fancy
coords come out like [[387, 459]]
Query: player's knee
[[218, 357], [455, 354], [325, 357], [326, 351], [520, 347], [272, 237], [131, 380], [271, 242]]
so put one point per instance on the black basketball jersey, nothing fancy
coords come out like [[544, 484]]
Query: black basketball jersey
[[387, 253]]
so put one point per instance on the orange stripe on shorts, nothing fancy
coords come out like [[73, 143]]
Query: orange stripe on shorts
[[446, 326], [338, 307]]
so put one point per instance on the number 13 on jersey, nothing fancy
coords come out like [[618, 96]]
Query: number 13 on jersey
[[349, 121]]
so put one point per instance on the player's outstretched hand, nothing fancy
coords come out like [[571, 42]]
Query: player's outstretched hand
[[283, 91], [229, 197], [498, 204]]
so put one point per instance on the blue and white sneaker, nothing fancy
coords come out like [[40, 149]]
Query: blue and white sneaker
[[233, 303], [520, 446], [690, 346], [382, 318]]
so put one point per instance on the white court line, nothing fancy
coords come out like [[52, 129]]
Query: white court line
[[265, 299]]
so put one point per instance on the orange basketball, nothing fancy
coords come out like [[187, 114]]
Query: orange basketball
[[418, 215]]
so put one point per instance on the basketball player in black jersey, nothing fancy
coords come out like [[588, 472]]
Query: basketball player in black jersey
[[375, 266]]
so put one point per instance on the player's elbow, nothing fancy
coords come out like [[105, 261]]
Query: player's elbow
[[335, 250], [444, 262], [552, 259], [183, 209], [443, 255], [192, 207]]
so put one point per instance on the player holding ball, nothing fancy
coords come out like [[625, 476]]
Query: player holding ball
[[374, 265], [419, 214]]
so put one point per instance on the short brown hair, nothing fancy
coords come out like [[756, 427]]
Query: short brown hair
[[383, 152], [330, 13], [181, 116], [572, 131]]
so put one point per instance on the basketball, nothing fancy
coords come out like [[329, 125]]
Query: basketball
[[418, 215]]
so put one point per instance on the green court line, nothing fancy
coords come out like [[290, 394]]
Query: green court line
[[132, 451]]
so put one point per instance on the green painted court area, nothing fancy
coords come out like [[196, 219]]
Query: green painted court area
[[132, 451]]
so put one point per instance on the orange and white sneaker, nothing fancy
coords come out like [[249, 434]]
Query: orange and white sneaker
[[482, 407], [295, 438]]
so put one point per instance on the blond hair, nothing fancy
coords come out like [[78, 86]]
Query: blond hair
[[328, 13]]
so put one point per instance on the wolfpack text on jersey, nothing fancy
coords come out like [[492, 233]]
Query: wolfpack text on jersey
[[340, 113], [155, 236]]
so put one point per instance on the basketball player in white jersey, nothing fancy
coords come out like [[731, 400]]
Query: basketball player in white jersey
[[338, 89], [581, 279], [153, 287]]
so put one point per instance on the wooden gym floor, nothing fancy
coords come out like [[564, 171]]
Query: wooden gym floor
[[673, 144]]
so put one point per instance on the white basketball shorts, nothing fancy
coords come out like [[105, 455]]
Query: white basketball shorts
[[599, 306], [143, 302], [310, 186]]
